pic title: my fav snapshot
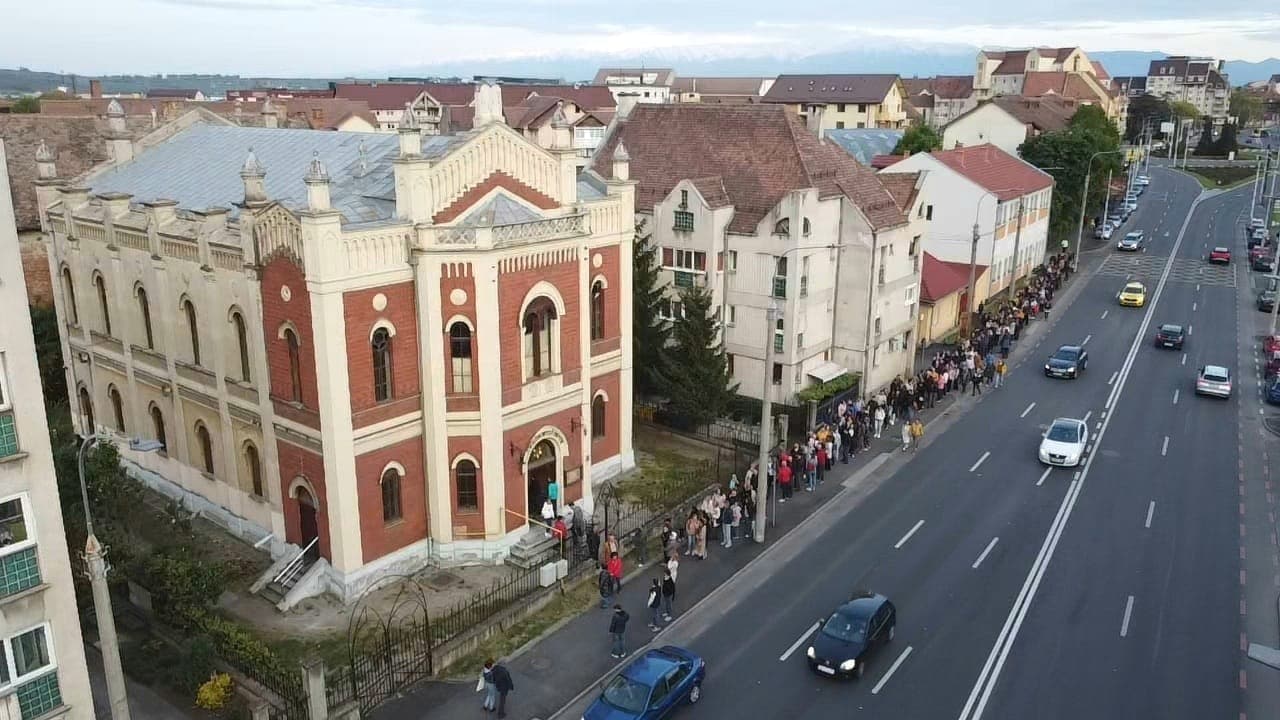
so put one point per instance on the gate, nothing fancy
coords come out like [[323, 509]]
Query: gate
[[389, 645]]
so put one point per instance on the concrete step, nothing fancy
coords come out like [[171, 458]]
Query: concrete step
[[273, 592], [533, 551]]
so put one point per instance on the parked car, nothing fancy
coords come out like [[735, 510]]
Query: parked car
[[1142, 181], [1264, 263], [1266, 300], [1213, 380], [1273, 391], [1257, 223], [1220, 255], [852, 634], [651, 686], [1104, 231]]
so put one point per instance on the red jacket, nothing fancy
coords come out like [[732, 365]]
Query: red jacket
[[615, 567], [784, 474]]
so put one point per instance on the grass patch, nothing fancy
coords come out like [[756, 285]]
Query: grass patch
[[1222, 177], [663, 475], [576, 599]]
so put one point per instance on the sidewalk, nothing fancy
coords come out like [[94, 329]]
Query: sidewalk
[[551, 671]]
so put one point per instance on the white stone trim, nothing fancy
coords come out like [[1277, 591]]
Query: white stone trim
[[557, 438], [600, 393], [304, 482], [606, 363], [382, 323], [599, 278], [288, 325], [460, 318], [393, 465], [540, 288], [464, 456], [527, 411]]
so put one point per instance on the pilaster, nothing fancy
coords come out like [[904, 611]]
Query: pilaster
[[435, 440]]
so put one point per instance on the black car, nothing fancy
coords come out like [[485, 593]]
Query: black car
[[853, 633], [1068, 362], [1170, 336], [1267, 300], [1263, 263]]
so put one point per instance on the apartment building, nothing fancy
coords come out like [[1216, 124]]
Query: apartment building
[[1199, 81], [42, 664], [831, 102]]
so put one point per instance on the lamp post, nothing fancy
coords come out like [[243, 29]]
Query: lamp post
[[1084, 202], [972, 286], [95, 558]]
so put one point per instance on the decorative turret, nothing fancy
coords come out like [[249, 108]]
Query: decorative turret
[[410, 134], [317, 180], [561, 130], [254, 177], [45, 167], [621, 163], [269, 117]]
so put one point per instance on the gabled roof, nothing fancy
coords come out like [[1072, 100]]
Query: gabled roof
[[830, 88], [719, 85], [759, 153], [588, 97], [1099, 71], [947, 87], [904, 189], [665, 76], [1014, 62], [1064, 84], [940, 278], [712, 191], [995, 170], [1045, 114]]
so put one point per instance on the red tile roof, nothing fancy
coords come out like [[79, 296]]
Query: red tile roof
[[948, 87], [903, 188], [381, 96], [996, 170], [1064, 84], [1013, 63], [1100, 71], [184, 93], [830, 88], [940, 278], [880, 162], [760, 153], [1046, 114], [588, 97]]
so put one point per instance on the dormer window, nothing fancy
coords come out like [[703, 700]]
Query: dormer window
[[782, 227]]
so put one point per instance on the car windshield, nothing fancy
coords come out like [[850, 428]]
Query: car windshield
[[626, 694], [1133, 236], [1066, 354], [843, 626], [1064, 432]]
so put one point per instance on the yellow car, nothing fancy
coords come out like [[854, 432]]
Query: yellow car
[[1133, 295]]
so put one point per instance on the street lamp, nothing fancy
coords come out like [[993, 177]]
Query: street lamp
[[96, 560], [1084, 202]]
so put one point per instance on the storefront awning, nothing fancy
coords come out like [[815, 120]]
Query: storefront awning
[[827, 371]]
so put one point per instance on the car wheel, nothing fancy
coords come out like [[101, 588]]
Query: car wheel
[[695, 694]]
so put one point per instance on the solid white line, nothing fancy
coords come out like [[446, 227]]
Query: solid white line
[[989, 676], [985, 455], [1114, 375], [907, 537], [796, 645], [892, 668], [1175, 396], [1128, 611], [1104, 314], [1087, 416], [983, 556], [1087, 338], [1043, 476], [1151, 510], [1164, 449], [1184, 358], [1024, 412]]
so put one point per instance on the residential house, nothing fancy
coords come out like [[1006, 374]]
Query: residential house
[[744, 200], [1007, 199], [388, 100], [941, 99], [1036, 72], [368, 351], [835, 102], [42, 665], [646, 85], [943, 287], [1008, 121], [1199, 81], [721, 90], [1081, 88]]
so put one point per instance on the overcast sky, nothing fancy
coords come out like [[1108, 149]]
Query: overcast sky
[[340, 37]]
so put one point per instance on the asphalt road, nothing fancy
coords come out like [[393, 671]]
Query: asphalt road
[[1111, 591]]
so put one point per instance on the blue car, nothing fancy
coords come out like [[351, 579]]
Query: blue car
[[652, 686], [1273, 391]]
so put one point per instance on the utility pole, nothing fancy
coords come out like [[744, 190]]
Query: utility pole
[[973, 279], [766, 424], [1106, 200], [1017, 239]]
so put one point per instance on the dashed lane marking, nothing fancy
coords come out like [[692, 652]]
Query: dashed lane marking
[[985, 552], [1151, 511], [892, 669], [981, 460], [1028, 410], [800, 641], [1043, 475], [1128, 612], [907, 537], [1164, 449]]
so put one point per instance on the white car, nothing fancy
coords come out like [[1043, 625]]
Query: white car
[[1142, 180], [1214, 380], [1064, 442]]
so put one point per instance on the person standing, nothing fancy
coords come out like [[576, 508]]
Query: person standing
[[502, 681], [879, 419], [917, 434], [654, 603], [618, 630], [784, 477], [726, 522], [548, 514], [605, 581], [906, 436], [668, 594], [615, 572], [487, 685], [1001, 368]]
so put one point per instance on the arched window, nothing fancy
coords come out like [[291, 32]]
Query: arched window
[[242, 342], [117, 406], [144, 308], [100, 284], [464, 477], [295, 364], [86, 409], [597, 417], [460, 357], [157, 425], [69, 296], [782, 227], [381, 343], [254, 464], [206, 447], [539, 330], [597, 310], [189, 310], [391, 495]]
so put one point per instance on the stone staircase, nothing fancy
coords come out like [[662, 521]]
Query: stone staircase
[[534, 549]]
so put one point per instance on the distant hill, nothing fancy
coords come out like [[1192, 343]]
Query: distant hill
[[23, 81]]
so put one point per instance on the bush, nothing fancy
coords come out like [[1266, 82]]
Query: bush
[[183, 584], [148, 661], [822, 391], [215, 692], [196, 665]]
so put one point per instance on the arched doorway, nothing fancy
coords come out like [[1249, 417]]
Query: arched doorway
[[308, 528], [541, 472]]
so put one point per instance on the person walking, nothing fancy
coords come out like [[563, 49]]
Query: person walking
[[917, 433], [618, 630], [906, 436], [502, 681], [668, 594], [1001, 368], [487, 685], [879, 420], [654, 603]]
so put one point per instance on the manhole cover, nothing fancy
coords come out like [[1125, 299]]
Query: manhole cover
[[1273, 424], [443, 580]]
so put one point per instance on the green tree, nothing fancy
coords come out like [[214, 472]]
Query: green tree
[[1145, 111], [26, 104], [917, 139], [1184, 109], [1244, 106], [649, 332], [1206, 145], [1226, 143], [699, 386], [1066, 154], [44, 324]]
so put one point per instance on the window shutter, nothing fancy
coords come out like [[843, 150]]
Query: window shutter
[[668, 257]]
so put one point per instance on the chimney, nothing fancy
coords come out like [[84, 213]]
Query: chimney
[[487, 104], [410, 134], [119, 143], [254, 177], [45, 167], [317, 180], [95, 88], [621, 162], [269, 117], [161, 212]]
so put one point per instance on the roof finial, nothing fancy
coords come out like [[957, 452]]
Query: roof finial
[[316, 171], [408, 121], [114, 109], [620, 152], [252, 166], [267, 107]]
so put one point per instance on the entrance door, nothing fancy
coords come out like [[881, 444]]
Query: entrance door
[[307, 526], [541, 473]]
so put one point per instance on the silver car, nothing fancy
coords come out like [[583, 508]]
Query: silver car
[[1214, 380]]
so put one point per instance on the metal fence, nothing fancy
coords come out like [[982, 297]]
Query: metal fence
[[718, 430]]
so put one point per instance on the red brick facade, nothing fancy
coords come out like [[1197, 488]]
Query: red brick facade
[[512, 288], [280, 272], [458, 276], [608, 270], [379, 537], [491, 183], [35, 269], [298, 463], [360, 318], [606, 447], [471, 522], [515, 484]]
